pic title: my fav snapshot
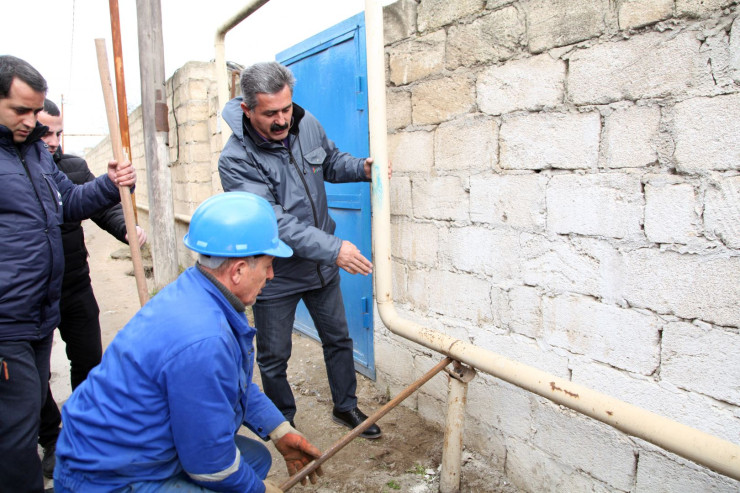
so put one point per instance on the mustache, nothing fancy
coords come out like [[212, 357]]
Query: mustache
[[279, 128]]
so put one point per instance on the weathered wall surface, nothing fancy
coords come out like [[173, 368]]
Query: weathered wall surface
[[566, 193], [194, 145]]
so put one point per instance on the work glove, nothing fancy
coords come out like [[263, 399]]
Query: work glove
[[271, 488], [296, 450]]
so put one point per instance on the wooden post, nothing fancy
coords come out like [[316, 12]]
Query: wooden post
[[115, 139], [154, 116], [115, 28]]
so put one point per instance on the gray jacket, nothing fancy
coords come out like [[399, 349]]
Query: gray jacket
[[292, 180]]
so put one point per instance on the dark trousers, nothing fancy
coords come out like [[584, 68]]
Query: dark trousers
[[274, 320], [22, 393], [80, 330]]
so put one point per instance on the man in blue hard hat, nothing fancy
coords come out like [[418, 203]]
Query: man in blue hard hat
[[162, 410]]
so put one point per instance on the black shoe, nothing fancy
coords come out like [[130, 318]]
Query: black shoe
[[49, 460], [354, 418]]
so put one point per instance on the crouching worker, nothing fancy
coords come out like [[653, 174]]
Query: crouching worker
[[162, 410]]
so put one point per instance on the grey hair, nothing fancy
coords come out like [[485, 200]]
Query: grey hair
[[210, 261], [265, 78]]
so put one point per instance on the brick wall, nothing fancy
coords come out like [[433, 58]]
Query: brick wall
[[566, 193]]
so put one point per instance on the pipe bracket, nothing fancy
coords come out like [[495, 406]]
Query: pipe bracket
[[461, 372]]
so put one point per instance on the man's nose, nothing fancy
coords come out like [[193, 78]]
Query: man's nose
[[29, 120], [54, 141]]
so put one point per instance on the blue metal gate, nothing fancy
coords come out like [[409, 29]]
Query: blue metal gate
[[331, 74]]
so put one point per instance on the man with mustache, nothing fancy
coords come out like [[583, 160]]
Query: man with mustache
[[280, 151]]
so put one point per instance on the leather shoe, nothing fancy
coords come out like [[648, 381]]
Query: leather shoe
[[354, 418]]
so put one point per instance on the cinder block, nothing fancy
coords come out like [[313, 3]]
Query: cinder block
[[631, 137], [442, 198], [585, 445], [398, 111], [638, 13], [659, 472], [500, 405], [440, 100], [661, 397], [411, 152], [703, 8], [550, 140], [523, 312], [394, 357], [400, 189], [417, 58], [721, 211], [595, 205], [576, 20], [704, 287], [515, 201], [525, 350], [195, 131], [415, 242], [702, 359], [466, 144], [529, 468], [589, 266], [455, 295], [437, 13], [622, 338], [493, 37], [734, 48], [705, 132], [671, 212], [651, 65], [399, 20], [528, 84], [476, 250]]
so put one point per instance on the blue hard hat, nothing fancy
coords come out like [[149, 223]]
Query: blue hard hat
[[235, 224]]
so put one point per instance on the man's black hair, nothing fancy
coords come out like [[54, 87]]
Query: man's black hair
[[12, 67], [51, 108]]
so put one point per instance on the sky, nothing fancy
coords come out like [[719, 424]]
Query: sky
[[58, 37]]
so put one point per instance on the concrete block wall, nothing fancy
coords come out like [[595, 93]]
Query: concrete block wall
[[566, 193], [194, 146]]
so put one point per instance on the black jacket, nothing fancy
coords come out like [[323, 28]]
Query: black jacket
[[76, 269]]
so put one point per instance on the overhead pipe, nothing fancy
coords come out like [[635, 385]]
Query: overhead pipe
[[710, 451], [221, 80]]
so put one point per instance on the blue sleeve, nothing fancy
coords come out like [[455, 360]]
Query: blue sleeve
[[81, 201], [262, 415], [202, 384]]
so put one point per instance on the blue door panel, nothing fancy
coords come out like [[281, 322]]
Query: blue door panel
[[330, 73]]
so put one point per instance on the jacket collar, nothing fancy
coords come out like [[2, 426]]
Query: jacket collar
[[6, 136]]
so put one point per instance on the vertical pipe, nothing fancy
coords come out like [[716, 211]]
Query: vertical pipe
[[449, 480]]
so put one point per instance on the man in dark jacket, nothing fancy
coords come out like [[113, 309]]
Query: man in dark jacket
[[280, 151], [79, 326], [37, 198]]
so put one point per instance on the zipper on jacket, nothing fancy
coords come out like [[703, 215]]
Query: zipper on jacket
[[28, 174], [313, 206]]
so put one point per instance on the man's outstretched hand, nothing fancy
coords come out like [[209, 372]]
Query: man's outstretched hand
[[351, 260]]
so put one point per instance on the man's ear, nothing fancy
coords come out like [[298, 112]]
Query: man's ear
[[246, 110]]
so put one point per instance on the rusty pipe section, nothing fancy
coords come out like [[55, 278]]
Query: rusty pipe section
[[457, 397], [221, 79], [716, 454]]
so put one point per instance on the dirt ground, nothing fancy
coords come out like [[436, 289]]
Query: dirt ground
[[405, 459]]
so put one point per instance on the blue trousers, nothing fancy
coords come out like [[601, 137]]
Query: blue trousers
[[22, 393], [254, 453], [274, 320]]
